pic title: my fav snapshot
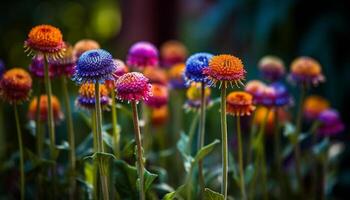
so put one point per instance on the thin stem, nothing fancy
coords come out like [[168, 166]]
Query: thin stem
[[297, 133], [71, 139], [115, 127], [224, 141], [240, 157], [95, 163], [21, 155], [201, 139], [38, 132], [51, 123], [191, 132], [139, 156], [103, 175], [315, 164], [251, 137]]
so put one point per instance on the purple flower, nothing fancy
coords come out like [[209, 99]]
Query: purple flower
[[142, 55], [331, 123]]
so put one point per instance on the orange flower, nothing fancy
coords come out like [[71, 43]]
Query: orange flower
[[156, 75], [43, 115], [225, 68], [239, 103], [159, 96], [260, 115], [173, 52], [193, 93], [176, 77], [84, 45], [159, 116], [45, 39], [314, 105], [15, 85], [86, 98], [305, 70]]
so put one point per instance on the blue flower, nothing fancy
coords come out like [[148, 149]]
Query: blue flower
[[194, 67], [94, 66], [282, 97]]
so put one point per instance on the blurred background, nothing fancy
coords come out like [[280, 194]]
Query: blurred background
[[248, 29]]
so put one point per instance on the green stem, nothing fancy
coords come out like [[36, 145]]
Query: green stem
[[314, 165], [21, 155], [38, 132], [71, 139], [95, 164], [140, 168], [115, 126], [103, 175], [296, 145], [51, 123], [224, 141], [201, 139], [191, 132], [251, 138], [240, 158]]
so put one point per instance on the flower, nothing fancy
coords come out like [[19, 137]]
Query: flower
[[331, 123], [133, 86], [120, 70], [156, 75], [225, 68], [195, 65], [45, 39], [43, 115], [142, 55], [159, 116], [239, 103], [313, 106], [173, 52], [159, 96], [272, 68], [64, 65], [260, 115], [255, 88], [176, 78], [94, 66], [37, 68], [193, 95], [84, 45], [15, 85], [306, 70], [86, 98], [282, 97], [2, 68]]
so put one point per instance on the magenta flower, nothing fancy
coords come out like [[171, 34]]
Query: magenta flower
[[133, 86], [142, 55]]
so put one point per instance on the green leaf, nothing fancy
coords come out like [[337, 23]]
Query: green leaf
[[85, 147], [107, 139], [128, 149], [248, 173], [125, 179], [205, 151], [178, 194], [321, 147], [182, 146], [101, 156], [212, 195]]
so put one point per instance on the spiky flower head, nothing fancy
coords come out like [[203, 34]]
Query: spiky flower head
[[331, 124], [84, 45], [43, 107], [159, 116], [86, 98], [306, 71], [225, 69], [195, 65], [64, 66], [121, 69], [94, 66], [159, 96], [142, 55], [239, 103], [313, 106], [193, 95], [156, 75], [15, 85], [133, 86], [172, 52], [176, 78], [37, 69], [45, 39], [271, 68]]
